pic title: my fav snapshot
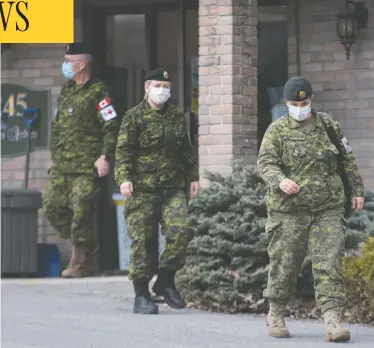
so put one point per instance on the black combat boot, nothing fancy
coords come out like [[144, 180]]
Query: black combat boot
[[164, 286], [143, 303]]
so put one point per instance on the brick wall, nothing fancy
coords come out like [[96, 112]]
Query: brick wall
[[344, 89], [228, 82]]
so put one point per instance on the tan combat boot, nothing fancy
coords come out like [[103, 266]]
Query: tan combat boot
[[335, 332], [275, 321], [81, 262]]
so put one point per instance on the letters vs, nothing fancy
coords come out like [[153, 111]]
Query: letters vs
[[8, 10]]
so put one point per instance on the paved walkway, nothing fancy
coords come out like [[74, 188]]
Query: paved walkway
[[97, 313]]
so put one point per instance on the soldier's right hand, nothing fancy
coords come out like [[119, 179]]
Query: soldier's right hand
[[289, 187], [126, 189]]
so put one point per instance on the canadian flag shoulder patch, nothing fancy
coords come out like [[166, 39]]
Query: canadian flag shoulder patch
[[105, 102], [108, 113]]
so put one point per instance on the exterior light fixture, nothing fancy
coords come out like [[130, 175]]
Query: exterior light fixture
[[349, 21]]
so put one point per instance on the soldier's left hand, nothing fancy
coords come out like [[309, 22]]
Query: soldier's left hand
[[102, 166], [194, 189], [358, 203]]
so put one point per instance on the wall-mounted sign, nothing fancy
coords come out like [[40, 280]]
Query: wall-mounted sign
[[14, 100]]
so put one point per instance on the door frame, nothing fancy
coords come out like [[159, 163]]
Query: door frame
[[271, 14], [91, 14]]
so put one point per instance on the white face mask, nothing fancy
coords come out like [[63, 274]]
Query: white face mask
[[159, 95], [299, 113]]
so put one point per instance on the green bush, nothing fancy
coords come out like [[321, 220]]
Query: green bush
[[227, 263], [359, 278], [226, 268], [361, 224]]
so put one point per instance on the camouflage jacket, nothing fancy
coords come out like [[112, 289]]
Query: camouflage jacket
[[154, 150], [80, 132], [309, 159]]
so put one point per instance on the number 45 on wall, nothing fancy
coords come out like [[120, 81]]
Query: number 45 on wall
[[15, 105]]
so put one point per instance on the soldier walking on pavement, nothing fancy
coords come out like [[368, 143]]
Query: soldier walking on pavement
[[155, 167], [84, 132], [305, 201]]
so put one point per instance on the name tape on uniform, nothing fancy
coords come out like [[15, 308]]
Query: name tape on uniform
[[106, 109]]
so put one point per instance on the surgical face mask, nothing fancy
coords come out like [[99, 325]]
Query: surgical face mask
[[67, 70], [159, 95], [299, 113]]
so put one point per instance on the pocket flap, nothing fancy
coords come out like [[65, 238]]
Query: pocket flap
[[132, 203], [299, 151], [272, 225]]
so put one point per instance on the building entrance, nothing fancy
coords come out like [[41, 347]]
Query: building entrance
[[128, 41]]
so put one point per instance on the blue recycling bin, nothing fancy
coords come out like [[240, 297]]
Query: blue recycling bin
[[49, 265]]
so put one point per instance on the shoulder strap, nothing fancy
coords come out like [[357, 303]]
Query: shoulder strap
[[331, 134], [341, 170]]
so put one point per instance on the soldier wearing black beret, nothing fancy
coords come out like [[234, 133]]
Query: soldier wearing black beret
[[77, 62], [84, 131], [158, 74], [297, 88], [298, 94], [301, 159], [73, 49], [156, 170]]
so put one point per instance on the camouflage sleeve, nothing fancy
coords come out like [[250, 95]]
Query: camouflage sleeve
[[349, 162], [269, 158], [125, 149], [54, 134], [190, 159], [109, 121]]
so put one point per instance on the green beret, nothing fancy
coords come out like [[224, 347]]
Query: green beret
[[297, 88], [158, 74], [76, 48]]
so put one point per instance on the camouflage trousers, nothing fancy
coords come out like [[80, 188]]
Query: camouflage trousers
[[143, 212], [291, 237], [68, 204]]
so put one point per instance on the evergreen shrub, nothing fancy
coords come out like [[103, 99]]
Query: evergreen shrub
[[227, 261]]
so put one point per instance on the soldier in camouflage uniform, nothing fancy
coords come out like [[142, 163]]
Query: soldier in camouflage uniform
[[84, 132], [154, 167], [305, 201]]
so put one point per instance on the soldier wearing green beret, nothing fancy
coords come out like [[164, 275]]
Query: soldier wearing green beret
[[154, 167], [84, 132], [299, 162]]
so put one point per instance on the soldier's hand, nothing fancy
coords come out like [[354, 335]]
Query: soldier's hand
[[194, 189], [289, 187], [358, 203], [126, 189], [102, 166]]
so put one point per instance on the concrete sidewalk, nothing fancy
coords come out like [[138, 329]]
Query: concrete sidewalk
[[97, 313]]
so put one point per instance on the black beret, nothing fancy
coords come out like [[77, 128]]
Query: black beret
[[159, 74], [297, 88], [77, 48]]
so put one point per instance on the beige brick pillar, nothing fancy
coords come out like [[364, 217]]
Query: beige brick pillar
[[228, 83]]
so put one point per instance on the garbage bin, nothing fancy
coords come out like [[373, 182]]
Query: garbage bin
[[19, 231], [124, 241]]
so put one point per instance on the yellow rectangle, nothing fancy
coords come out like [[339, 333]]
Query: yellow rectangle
[[36, 21]]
